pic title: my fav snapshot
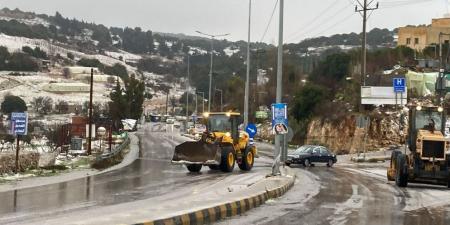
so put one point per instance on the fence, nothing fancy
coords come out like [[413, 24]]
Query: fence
[[117, 150]]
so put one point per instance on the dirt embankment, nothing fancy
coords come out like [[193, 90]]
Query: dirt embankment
[[343, 135]]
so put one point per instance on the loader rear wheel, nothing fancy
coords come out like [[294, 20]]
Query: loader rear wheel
[[401, 178], [227, 160], [194, 168], [248, 158]]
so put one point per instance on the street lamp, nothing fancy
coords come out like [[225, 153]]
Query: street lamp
[[221, 99], [212, 36]]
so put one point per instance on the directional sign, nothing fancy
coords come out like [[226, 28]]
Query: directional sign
[[19, 123], [399, 84], [251, 130], [279, 118]]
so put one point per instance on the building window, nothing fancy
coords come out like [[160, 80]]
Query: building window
[[446, 41], [416, 41], [408, 41]]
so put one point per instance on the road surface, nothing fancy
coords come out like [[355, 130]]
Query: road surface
[[352, 195], [151, 175]]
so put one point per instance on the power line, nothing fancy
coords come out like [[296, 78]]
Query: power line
[[328, 19], [333, 25], [311, 22], [270, 21]]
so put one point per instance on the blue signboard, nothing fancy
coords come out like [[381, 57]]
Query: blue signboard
[[251, 130], [279, 118], [19, 123], [399, 85]]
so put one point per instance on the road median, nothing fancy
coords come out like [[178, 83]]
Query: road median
[[268, 188]]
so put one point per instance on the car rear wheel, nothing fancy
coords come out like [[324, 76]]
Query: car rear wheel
[[330, 163], [194, 168], [288, 164], [307, 163]]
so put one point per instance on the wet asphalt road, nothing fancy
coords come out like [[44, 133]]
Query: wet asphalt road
[[339, 195], [344, 196], [150, 175]]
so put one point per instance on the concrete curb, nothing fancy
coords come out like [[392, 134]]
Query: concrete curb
[[222, 211]]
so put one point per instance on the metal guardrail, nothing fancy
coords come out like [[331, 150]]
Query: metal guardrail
[[116, 150]]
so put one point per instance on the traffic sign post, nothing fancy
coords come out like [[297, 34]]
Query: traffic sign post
[[399, 85], [280, 129], [251, 130], [19, 126]]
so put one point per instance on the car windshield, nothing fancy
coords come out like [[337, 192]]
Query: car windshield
[[219, 123], [303, 149], [428, 119]]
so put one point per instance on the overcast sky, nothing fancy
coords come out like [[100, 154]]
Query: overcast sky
[[303, 18]]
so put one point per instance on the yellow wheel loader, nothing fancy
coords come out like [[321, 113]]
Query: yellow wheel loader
[[428, 160], [220, 148]]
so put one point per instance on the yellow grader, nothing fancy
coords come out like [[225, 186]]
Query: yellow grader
[[220, 147], [427, 160]]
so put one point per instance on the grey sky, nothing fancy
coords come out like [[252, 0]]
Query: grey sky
[[303, 18]]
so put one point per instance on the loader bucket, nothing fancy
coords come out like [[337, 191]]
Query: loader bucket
[[197, 152]]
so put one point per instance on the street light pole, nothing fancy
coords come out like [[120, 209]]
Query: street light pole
[[276, 166], [247, 81], [212, 36], [187, 86], [89, 150]]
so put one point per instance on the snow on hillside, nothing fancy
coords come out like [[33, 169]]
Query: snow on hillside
[[197, 51], [28, 21], [125, 55], [30, 87], [229, 51], [15, 44]]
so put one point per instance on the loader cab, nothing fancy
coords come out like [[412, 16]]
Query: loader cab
[[425, 118], [223, 122]]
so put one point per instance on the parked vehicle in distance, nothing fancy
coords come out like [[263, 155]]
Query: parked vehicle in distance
[[310, 154], [170, 120], [155, 118]]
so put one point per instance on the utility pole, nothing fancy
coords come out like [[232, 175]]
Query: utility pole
[[364, 9], [167, 102], [188, 87], [89, 150], [276, 166], [212, 36], [247, 81]]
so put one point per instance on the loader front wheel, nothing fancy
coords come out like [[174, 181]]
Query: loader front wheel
[[401, 178], [227, 160], [194, 168], [247, 160]]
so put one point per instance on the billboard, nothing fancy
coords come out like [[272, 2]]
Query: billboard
[[382, 96]]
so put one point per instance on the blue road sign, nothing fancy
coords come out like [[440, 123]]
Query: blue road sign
[[251, 130], [19, 123], [279, 118], [399, 84]]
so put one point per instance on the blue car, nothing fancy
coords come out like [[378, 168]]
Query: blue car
[[307, 155]]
